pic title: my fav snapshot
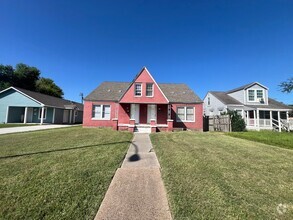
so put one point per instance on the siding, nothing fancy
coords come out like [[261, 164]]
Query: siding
[[14, 98], [239, 96], [257, 103], [215, 105]]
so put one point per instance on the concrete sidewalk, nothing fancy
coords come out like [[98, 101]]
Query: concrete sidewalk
[[30, 128], [137, 190]]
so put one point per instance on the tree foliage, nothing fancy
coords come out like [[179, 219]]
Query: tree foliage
[[287, 86], [47, 86], [237, 122], [27, 77]]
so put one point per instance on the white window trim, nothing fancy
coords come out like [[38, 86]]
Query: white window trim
[[255, 95], [185, 114], [45, 113], [153, 91], [101, 113], [141, 89]]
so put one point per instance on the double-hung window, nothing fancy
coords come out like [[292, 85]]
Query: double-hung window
[[185, 114], [149, 89], [255, 95], [137, 89], [101, 112], [251, 96]]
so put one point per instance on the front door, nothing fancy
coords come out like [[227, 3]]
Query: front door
[[29, 118], [152, 112], [134, 112]]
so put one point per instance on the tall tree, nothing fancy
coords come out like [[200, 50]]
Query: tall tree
[[47, 86], [6, 76], [26, 76], [287, 86]]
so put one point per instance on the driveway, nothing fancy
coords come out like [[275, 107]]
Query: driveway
[[30, 128]]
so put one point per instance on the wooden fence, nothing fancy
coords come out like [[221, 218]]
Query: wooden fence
[[217, 123]]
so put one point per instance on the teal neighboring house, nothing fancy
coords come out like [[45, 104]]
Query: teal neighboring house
[[23, 106]]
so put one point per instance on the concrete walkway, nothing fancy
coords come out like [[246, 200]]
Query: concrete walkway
[[137, 190], [30, 128]]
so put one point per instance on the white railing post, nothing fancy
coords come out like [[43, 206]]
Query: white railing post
[[279, 122], [257, 118]]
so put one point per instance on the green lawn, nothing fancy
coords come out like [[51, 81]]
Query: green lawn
[[280, 139], [15, 125], [58, 174], [214, 176]]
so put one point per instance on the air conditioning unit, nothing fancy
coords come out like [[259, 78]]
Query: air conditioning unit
[[261, 100]]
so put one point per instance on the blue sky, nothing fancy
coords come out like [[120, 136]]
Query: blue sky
[[209, 45]]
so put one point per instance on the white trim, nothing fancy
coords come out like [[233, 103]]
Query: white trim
[[22, 94], [185, 114], [156, 84], [42, 115]]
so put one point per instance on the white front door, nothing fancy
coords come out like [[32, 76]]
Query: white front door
[[134, 112], [152, 112]]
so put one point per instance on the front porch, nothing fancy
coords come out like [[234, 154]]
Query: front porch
[[144, 118], [258, 119]]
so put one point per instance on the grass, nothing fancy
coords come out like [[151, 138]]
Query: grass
[[58, 174], [15, 125], [214, 176], [280, 139]]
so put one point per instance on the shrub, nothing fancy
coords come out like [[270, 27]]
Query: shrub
[[237, 122]]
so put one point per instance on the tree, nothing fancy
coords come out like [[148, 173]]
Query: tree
[[237, 122], [287, 86], [27, 77], [6, 76], [47, 86]]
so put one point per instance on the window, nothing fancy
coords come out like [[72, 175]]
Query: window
[[209, 101], [251, 95], [185, 114], [101, 112], [138, 89], [259, 94], [255, 95], [40, 113], [149, 89]]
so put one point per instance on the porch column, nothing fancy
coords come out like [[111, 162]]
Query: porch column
[[70, 117], [287, 116], [242, 114], [153, 125], [7, 113], [42, 115], [169, 112], [25, 115], [271, 119], [254, 121], [53, 118], [247, 119], [170, 124], [257, 118], [279, 121]]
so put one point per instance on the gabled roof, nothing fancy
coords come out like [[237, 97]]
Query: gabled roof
[[245, 87], [108, 91], [47, 100], [113, 91], [226, 99]]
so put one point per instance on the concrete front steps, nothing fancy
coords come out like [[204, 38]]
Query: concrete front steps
[[143, 128]]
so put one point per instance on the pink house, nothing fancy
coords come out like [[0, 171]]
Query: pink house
[[143, 105]]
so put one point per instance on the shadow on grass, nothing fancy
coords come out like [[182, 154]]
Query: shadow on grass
[[63, 149]]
